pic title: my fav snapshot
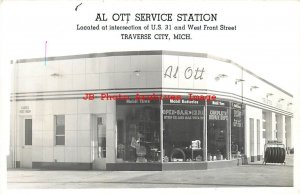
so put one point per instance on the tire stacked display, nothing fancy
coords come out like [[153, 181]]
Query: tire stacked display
[[274, 155]]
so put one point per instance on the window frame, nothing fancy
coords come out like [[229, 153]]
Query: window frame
[[31, 138], [55, 130]]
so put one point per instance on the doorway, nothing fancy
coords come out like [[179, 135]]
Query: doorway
[[26, 142], [99, 141]]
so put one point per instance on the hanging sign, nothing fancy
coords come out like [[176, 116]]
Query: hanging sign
[[236, 115]]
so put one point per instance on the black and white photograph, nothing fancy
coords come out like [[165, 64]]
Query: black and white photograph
[[149, 96]]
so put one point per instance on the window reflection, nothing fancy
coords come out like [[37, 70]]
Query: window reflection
[[183, 133], [217, 140], [101, 138], [237, 130], [138, 133]]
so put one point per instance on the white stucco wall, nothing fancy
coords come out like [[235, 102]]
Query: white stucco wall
[[78, 76]]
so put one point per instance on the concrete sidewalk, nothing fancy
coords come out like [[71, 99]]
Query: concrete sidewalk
[[254, 174]]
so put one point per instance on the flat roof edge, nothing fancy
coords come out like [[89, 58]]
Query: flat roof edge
[[149, 52], [91, 55]]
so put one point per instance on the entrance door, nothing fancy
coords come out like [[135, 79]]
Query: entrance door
[[26, 142], [99, 141]]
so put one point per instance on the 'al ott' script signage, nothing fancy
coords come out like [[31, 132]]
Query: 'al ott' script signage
[[189, 72]]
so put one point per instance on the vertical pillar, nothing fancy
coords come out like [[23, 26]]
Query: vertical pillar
[[273, 126], [228, 143], [270, 126], [246, 129], [111, 133], [252, 140], [258, 127], [161, 132], [205, 132], [288, 127], [283, 130], [280, 128]]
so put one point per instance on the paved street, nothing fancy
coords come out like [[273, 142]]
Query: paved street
[[255, 174]]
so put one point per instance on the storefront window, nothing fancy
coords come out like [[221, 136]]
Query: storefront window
[[237, 130], [183, 131], [217, 131], [138, 133]]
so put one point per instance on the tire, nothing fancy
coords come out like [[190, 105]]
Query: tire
[[275, 155], [272, 155], [280, 155], [177, 150], [267, 155]]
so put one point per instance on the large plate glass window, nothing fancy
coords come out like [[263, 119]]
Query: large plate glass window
[[138, 131], [183, 131], [217, 130]]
